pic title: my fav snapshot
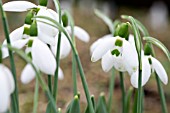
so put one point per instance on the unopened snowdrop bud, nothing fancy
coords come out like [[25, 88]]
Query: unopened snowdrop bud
[[122, 30], [65, 20], [34, 29], [147, 49], [43, 2], [29, 16]]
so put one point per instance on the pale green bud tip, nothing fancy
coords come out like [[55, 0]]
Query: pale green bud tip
[[147, 49], [122, 30], [59, 109], [34, 29], [29, 16], [102, 94], [43, 2], [76, 97], [65, 20]]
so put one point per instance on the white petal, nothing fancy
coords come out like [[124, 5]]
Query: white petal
[[146, 72], [80, 33], [45, 28], [157, 66], [28, 74], [18, 6], [65, 47], [9, 78], [107, 61], [43, 57], [130, 57], [60, 74], [132, 41], [46, 38], [100, 50], [119, 64], [17, 44], [5, 92], [97, 42]]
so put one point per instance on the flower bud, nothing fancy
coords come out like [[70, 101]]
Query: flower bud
[[43, 2], [122, 30], [65, 20], [147, 49], [34, 29], [29, 16]]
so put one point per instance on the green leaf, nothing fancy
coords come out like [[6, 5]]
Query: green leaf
[[128, 99], [106, 19], [69, 107], [101, 105], [158, 44], [75, 107], [93, 102], [142, 28]]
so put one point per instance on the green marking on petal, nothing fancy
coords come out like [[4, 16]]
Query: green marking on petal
[[147, 49], [150, 61], [34, 29], [29, 55], [65, 20], [30, 42], [115, 52], [26, 30], [119, 43]]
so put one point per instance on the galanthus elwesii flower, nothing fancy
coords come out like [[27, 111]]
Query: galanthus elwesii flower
[[7, 87], [65, 47], [117, 52], [45, 32], [149, 65], [42, 58]]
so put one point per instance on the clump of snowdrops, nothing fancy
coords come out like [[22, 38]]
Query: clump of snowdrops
[[48, 36]]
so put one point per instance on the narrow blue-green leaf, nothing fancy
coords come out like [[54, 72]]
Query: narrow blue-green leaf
[[36, 95], [101, 105], [75, 108], [158, 44], [128, 99], [106, 19], [142, 28], [94, 104]]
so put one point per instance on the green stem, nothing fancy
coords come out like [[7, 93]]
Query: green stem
[[84, 82], [162, 96], [14, 101], [36, 93], [111, 91], [123, 92], [139, 104], [50, 83], [74, 75], [55, 88]]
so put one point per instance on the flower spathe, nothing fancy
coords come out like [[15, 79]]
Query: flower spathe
[[7, 87], [149, 65], [117, 52]]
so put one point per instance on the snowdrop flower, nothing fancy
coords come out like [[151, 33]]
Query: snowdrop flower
[[65, 45], [45, 32], [149, 65], [42, 58], [7, 87], [117, 52]]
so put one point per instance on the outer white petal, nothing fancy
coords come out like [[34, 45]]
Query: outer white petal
[[46, 38], [5, 92], [132, 41], [60, 74], [157, 66], [107, 61], [17, 44], [43, 57], [80, 33], [65, 47], [45, 28], [28, 74], [97, 42], [146, 72], [100, 50], [10, 78], [18, 6], [130, 57]]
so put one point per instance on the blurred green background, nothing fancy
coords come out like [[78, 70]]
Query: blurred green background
[[153, 14]]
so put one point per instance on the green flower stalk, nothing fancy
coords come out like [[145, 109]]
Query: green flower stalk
[[15, 102]]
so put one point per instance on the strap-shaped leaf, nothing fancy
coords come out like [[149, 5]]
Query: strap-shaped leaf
[[75, 107], [101, 105], [94, 104], [142, 28], [128, 99], [106, 19], [158, 44]]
